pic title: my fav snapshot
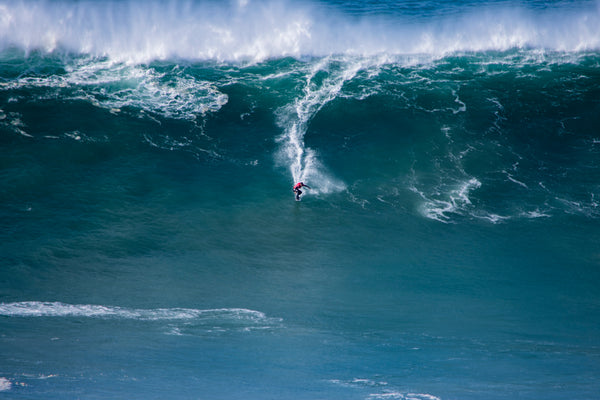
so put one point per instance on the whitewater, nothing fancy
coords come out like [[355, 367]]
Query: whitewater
[[247, 31], [448, 246]]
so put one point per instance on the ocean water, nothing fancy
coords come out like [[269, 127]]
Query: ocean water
[[448, 247]]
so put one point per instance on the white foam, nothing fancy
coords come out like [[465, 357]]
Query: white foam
[[449, 199], [359, 383], [324, 82], [462, 106], [491, 217], [12, 121], [386, 391], [589, 209], [421, 396], [5, 384], [510, 178], [403, 396], [139, 31], [387, 395], [116, 85], [536, 214], [58, 309]]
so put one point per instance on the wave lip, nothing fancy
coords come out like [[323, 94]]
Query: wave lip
[[141, 31]]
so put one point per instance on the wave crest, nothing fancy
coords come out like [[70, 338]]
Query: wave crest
[[139, 31]]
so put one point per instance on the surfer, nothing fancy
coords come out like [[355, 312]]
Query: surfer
[[297, 190]]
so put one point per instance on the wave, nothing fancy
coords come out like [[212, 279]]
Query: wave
[[494, 136], [58, 309], [245, 30], [324, 82]]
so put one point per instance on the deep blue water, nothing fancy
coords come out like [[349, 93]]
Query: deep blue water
[[151, 247]]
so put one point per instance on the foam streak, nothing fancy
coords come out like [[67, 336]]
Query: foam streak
[[58, 309]]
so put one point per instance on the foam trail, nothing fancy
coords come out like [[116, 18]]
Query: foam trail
[[295, 119], [448, 199]]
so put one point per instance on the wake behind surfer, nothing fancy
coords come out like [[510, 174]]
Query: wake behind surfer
[[297, 190]]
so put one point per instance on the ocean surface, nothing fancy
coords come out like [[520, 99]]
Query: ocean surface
[[448, 247]]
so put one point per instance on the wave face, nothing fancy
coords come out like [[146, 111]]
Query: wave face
[[245, 30], [488, 136]]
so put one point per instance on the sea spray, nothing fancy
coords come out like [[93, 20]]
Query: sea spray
[[253, 31]]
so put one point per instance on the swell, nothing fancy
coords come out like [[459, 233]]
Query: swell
[[140, 31]]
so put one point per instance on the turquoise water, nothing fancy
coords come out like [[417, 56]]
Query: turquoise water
[[151, 247]]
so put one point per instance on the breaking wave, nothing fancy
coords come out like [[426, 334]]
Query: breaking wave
[[246, 30]]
